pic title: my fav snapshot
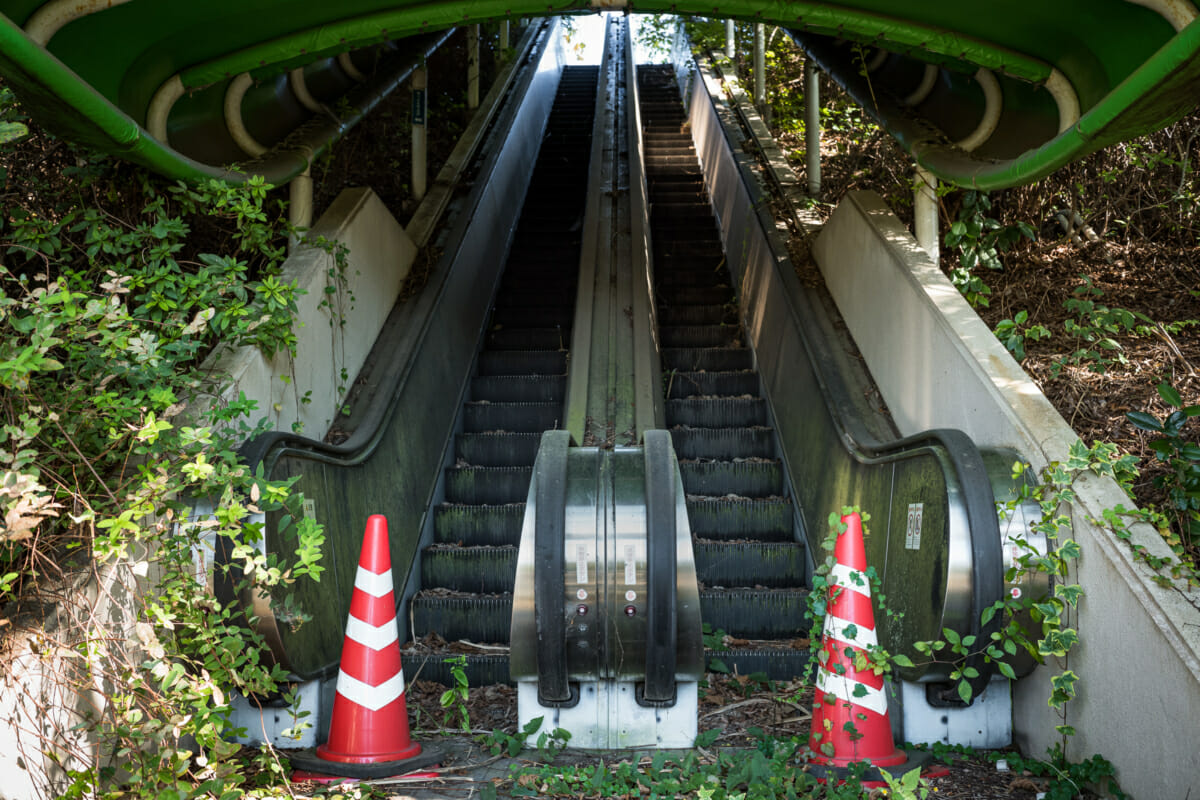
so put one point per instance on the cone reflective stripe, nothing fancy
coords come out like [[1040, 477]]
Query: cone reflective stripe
[[850, 715], [368, 731]]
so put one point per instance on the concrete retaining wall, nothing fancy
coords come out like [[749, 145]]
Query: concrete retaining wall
[[938, 365], [341, 313]]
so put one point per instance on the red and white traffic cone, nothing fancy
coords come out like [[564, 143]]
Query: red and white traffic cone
[[850, 720], [368, 732]]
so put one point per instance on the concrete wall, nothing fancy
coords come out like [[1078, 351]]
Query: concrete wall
[[938, 365], [335, 330]]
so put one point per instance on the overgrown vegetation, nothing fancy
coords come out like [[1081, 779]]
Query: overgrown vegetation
[[114, 286]]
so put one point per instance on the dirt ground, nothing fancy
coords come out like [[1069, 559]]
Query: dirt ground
[[732, 704]]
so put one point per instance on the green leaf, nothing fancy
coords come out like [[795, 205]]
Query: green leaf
[[964, 692], [1170, 395], [12, 131]]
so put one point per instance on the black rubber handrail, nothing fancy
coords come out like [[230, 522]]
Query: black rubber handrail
[[661, 577], [549, 563]]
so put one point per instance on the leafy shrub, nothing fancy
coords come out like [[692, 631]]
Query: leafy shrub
[[113, 288]]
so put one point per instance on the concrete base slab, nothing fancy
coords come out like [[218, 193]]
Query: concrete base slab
[[986, 724], [607, 717]]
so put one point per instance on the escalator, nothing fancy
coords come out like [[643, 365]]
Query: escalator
[[764, 436], [517, 392], [749, 557]]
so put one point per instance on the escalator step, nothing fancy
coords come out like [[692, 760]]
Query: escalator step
[[487, 485], [700, 335], [518, 388], [707, 359], [771, 564], [497, 449], [533, 316], [483, 569], [724, 384], [723, 444], [478, 618], [716, 412], [529, 339], [689, 272], [481, 670], [767, 520], [478, 525], [740, 478], [522, 362], [702, 245], [551, 292], [696, 315], [697, 295], [776, 663], [525, 417], [756, 613]]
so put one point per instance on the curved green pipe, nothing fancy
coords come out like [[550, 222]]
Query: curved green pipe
[[1130, 72]]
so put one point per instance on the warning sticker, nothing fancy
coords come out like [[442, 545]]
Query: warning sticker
[[912, 534], [630, 565], [581, 564]]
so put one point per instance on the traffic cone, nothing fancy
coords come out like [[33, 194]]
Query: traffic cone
[[850, 720], [368, 732]]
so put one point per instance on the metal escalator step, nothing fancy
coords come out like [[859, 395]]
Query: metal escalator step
[[522, 362], [488, 485], [756, 613], [681, 384], [551, 292], [702, 244], [494, 449], [709, 359], [533, 316], [763, 519], [670, 161], [676, 314], [717, 412], [739, 478], [484, 569], [772, 564], [478, 618], [699, 335], [481, 670], [682, 212], [777, 663], [472, 525], [518, 388], [529, 339], [523, 417], [671, 272], [723, 444], [697, 295]]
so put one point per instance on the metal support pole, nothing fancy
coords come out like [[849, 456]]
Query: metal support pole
[[420, 81], [760, 69], [300, 206], [504, 35], [473, 67], [730, 40], [812, 127], [925, 212]]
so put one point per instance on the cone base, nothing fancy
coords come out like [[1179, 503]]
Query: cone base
[[311, 761], [871, 778]]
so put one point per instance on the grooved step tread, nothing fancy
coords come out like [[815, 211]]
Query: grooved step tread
[[478, 618], [482, 569], [473, 525]]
